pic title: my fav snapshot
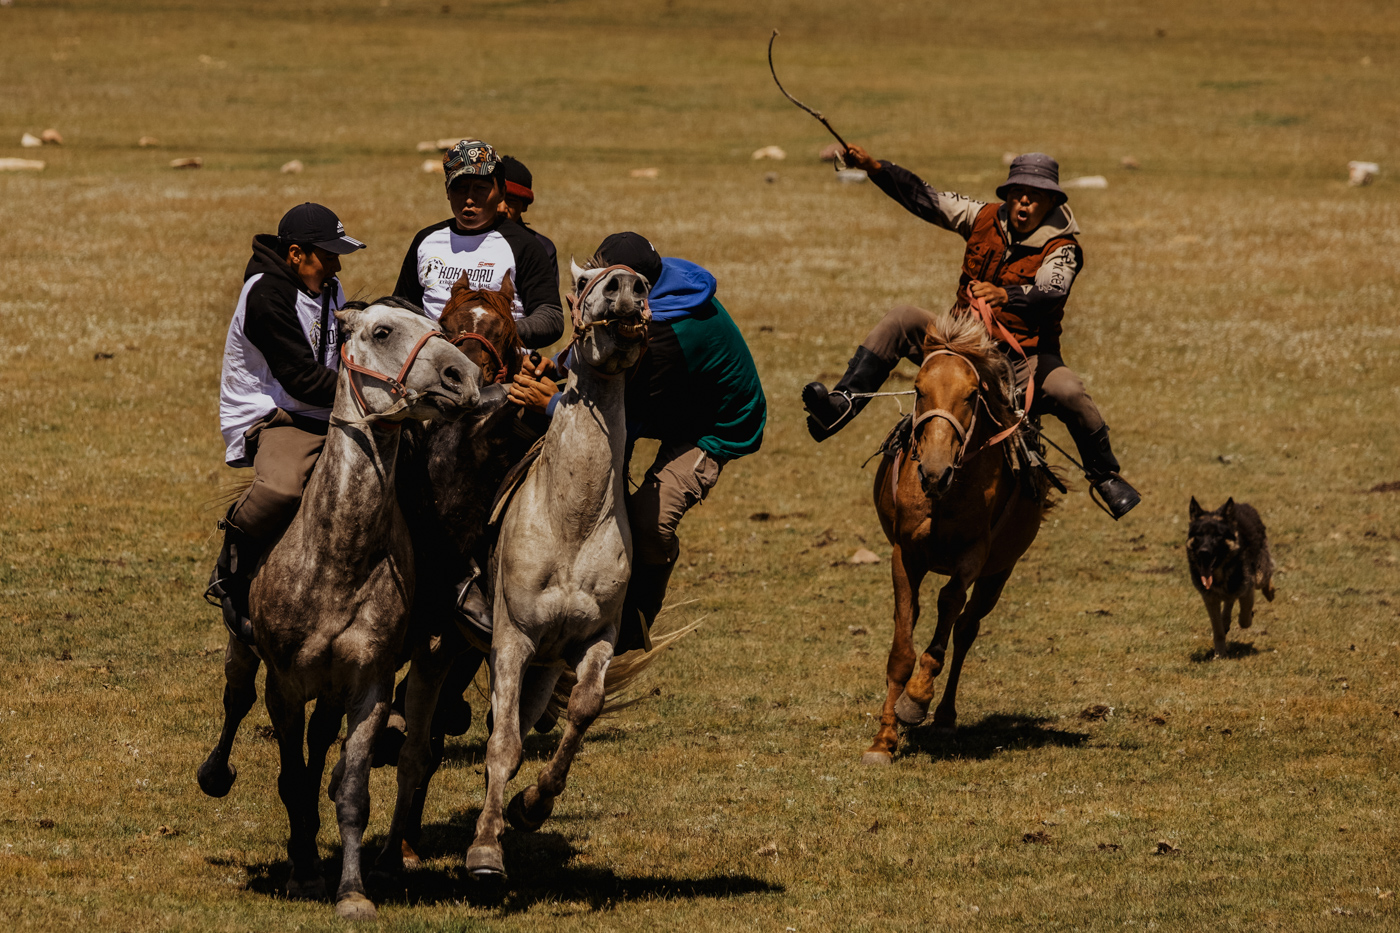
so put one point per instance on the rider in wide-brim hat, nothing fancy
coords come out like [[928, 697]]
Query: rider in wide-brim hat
[[1021, 260]]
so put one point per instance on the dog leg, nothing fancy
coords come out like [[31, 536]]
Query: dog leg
[[1247, 608], [1218, 624]]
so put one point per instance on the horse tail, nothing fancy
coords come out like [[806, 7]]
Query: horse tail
[[622, 674]]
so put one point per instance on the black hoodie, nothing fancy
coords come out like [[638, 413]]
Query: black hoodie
[[270, 324]]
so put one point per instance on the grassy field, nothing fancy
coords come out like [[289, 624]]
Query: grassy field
[[1236, 322]]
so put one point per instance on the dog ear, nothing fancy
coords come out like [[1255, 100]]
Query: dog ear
[[1227, 511], [1195, 508]]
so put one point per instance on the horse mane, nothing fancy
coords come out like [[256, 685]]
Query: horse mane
[[457, 319], [965, 335]]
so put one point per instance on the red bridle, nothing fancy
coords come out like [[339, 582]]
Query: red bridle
[[397, 389], [502, 373]]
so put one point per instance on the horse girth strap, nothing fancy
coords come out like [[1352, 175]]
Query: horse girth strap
[[464, 337], [397, 389]]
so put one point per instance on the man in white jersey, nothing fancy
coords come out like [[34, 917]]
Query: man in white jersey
[[480, 243], [281, 358]]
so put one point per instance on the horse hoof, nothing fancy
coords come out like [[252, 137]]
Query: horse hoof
[[485, 863], [356, 906], [908, 712], [216, 780], [313, 890], [877, 758], [520, 817], [411, 861]]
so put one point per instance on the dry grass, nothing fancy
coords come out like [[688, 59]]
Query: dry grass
[[1236, 321]]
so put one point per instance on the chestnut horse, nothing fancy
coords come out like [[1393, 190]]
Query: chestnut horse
[[950, 502]]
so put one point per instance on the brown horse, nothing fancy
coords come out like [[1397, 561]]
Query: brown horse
[[950, 502]]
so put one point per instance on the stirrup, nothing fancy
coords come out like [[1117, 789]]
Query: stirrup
[[471, 602], [816, 394]]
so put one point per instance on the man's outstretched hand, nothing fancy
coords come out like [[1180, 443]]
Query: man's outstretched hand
[[857, 157]]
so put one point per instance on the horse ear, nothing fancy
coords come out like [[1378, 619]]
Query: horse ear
[[508, 288], [574, 271], [346, 317], [1195, 508]]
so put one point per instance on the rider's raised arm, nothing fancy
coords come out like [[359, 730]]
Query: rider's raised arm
[[1053, 280], [943, 209]]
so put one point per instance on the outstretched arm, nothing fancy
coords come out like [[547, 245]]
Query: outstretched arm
[[947, 210]]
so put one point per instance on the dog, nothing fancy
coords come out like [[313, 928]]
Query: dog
[[1228, 553]]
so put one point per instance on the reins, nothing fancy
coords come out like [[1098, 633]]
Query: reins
[[460, 340], [403, 398]]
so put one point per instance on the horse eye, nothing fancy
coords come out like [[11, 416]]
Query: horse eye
[[382, 331]]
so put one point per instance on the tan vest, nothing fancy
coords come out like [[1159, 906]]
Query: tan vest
[[989, 258]]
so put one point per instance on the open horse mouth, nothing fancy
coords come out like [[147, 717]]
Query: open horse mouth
[[629, 330]]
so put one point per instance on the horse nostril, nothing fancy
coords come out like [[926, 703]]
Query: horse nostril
[[945, 479], [453, 376]]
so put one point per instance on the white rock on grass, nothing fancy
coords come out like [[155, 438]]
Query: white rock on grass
[[770, 152], [864, 556], [645, 173], [1087, 181], [145, 141], [293, 167], [851, 176], [21, 165], [30, 141], [1362, 173], [427, 145], [52, 137], [1008, 157], [1129, 162], [195, 162], [432, 165]]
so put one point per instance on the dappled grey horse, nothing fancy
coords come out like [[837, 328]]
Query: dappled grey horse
[[329, 605], [563, 559]]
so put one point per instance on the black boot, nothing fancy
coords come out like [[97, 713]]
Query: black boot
[[646, 591], [1101, 470], [228, 583], [830, 411]]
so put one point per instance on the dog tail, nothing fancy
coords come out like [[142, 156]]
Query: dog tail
[[1266, 583]]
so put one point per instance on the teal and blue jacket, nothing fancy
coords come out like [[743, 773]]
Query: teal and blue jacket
[[696, 383]]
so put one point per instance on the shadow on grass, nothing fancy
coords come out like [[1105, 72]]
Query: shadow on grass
[[535, 747], [541, 867], [998, 732], [1233, 650]]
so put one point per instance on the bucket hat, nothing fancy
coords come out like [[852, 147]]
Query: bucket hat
[[1034, 170]]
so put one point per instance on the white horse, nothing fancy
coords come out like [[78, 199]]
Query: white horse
[[563, 559], [329, 606]]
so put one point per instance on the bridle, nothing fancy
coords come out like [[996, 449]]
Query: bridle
[[581, 329], [395, 384], [463, 337], [963, 432]]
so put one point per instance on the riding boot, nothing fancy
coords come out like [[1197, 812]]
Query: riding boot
[[646, 591], [830, 411], [1101, 470], [229, 581]]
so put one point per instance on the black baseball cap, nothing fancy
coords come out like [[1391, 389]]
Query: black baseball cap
[[634, 251], [314, 225], [519, 181]]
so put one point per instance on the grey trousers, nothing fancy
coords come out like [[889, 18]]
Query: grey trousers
[[1058, 390], [680, 476], [285, 449]]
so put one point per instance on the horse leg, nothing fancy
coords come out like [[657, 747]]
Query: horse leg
[[912, 707], [906, 580], [536, 693], [289, 724], [462, 672], [216, 775], [532, 806], [510, 654], [366, 709], [424, 681], [321, 732], [1218, 624], [985, 594]]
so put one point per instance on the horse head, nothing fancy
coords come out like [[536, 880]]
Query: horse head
[[481, 325], [948, 385], [396, 370], [610, 316]]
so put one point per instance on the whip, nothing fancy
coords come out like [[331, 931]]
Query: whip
[[840, 161]]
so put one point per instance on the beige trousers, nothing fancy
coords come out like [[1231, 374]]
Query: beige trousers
[[680, 476], [285, 449]]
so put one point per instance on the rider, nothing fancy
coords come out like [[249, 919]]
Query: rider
[[481, 242], [1021, 260], [519, 196], [278, 388], [696, 390]]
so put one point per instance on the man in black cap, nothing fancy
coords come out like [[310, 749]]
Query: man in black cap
[[1021, 259], [520, 194], [480, 243], [281, 358]]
